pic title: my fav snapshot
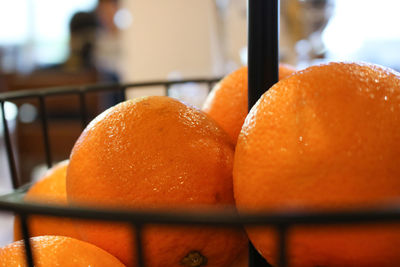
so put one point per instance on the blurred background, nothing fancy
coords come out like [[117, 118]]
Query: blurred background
[[144, 40], [47, 43]]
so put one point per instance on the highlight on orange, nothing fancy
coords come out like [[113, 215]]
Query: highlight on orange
[[324, 139], [227, 101], [57, 251], [51, 190], [156, 153]]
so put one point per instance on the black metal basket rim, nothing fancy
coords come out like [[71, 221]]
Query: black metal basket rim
[[13, 202], [74, 89], [214, 217]]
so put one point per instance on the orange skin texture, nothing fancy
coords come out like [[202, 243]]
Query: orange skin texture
[[326, 138], [51, 190], [242, 259], [227, 102], [155, 153], [57, 251]]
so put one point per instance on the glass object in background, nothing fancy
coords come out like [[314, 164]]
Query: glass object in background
[[301, 25], [232, 25]]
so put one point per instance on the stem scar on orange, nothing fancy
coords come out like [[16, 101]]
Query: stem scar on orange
[[156, 153], [326, 138]]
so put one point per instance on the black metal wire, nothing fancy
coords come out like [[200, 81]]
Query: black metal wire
[[210, 86], [26, 237], [123, 92], [218, 218], [83, 109], [167, 89], [283, 260], [45, 131], [138, 229], [68, 90], [10, 155]]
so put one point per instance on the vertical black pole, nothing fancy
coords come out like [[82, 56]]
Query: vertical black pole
[[263, 60], [263, 51]]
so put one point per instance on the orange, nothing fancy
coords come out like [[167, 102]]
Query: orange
[[51, 190], [242, 260], [51, 251], [326, 138], [156, 153], [227, 101]]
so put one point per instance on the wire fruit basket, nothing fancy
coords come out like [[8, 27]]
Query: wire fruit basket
[[263, 72]]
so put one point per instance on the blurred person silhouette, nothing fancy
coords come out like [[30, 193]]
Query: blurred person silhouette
[[94, 41], [82, 27], [94, 45], [107, 45]]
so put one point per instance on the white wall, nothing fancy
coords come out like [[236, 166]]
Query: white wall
[[174, 36]]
